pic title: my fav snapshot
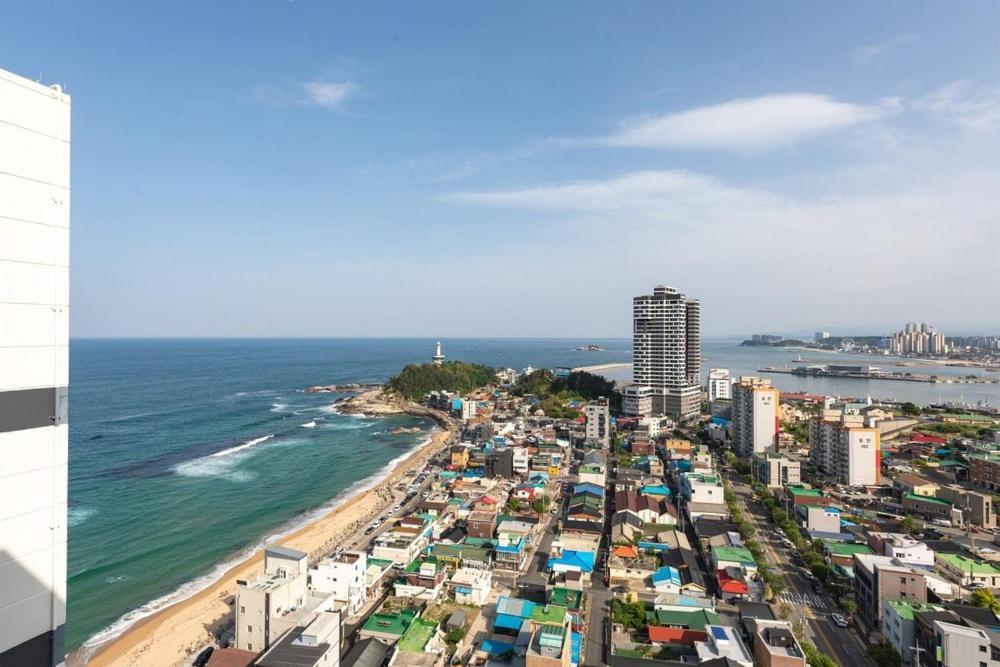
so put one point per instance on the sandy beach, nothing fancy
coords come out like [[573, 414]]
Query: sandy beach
[[172, 635]]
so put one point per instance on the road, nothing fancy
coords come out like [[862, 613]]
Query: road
[[842, 644]]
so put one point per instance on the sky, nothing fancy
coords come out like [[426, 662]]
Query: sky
[[523, 168]]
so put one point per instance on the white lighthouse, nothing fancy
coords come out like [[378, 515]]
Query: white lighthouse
[[438, 357]]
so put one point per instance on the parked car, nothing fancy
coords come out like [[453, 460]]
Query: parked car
[[818, 587], [838, 620], [203, 657]]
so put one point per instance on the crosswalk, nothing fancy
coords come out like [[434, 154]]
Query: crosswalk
[[810, 600]]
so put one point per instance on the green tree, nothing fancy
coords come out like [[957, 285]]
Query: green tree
[[454, 636], [849, 605], [884, 655], [784, 611], [910, 409], [985, 598], [816, 659], [908, 525], [629, 614], [541, 505]]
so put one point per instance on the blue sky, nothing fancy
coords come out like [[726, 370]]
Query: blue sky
[[523, 169]]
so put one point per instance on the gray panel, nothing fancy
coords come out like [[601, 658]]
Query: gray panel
[[32, 408], [44, 650]]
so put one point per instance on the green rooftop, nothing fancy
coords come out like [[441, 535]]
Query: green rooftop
[[565, 597], [905, 608], [417, 563], [390, 624], [460, 552], [692, 620], [736, 554], [926, 499], [382, 563], [966, 564], [846, 548], [550, 613], [803, 491], [417, 635]]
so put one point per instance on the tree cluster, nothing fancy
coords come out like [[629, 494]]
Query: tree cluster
[[416, 380]]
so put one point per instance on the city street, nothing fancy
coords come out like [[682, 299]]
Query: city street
[[814, 610]]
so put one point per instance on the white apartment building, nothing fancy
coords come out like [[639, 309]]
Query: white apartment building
[[637, 400], [852, 454], [521, 460], [909, 550], [666, 350], [755, 416], [261, 603], [342, 577], [719, 385], [598, 414], [775, 471], [34, 371]]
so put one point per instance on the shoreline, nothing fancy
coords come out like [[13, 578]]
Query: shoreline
[[171, 635]]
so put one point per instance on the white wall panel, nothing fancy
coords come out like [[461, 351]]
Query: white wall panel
[[31, 201]]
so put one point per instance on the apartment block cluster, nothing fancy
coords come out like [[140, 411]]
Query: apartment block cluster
[[918, 338]]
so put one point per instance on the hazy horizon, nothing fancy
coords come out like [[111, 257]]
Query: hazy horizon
[[523, 170]]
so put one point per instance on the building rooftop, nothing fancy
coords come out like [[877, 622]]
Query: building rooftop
[[967, 564], [906, 608], [846, 548], [417, 635], [803, 491], [926, 499]]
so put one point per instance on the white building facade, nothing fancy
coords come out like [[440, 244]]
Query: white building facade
[[34, 371], [598, 414], [755, 416], [719, 385], [342, 577], [852, 454], [666, 350]]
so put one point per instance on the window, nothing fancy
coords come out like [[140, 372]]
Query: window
[[249, 628], [982, 649]]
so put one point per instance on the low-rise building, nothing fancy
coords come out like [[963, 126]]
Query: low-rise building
[[637, 400], [316, 644], [471, 585], [262, 604], [931, 508], [774, 645], [723, 643], [912, 484], [967, 570], [881, 578], [960, 646], [819, 519], [344, 578], [775, 470], [898, 625]]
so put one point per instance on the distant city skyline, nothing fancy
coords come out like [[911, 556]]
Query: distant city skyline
[[303, 169]]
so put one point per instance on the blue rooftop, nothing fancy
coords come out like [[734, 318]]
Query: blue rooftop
[[667, 574], [581, 561]]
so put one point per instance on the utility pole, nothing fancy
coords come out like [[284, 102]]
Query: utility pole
[[916, 654]]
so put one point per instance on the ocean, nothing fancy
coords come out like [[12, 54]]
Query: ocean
[[185, 455]]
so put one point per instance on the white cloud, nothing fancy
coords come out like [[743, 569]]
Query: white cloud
[[864, 55], [966, 104], [747, 124], [324, 94], [327, 94]]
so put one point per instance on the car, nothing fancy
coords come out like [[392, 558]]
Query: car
[[807, 575], [203, 657], [620, 589], [818, 587], [838, 620]]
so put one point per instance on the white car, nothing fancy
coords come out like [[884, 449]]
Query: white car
[[838, 620]]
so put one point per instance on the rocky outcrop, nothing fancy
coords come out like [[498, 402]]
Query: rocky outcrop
[[380, 402], [336, 388]]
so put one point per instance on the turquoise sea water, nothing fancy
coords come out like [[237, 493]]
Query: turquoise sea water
[[184, 454]]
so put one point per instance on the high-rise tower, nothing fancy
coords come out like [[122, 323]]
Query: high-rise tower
[[666, 350], [34, 373]]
